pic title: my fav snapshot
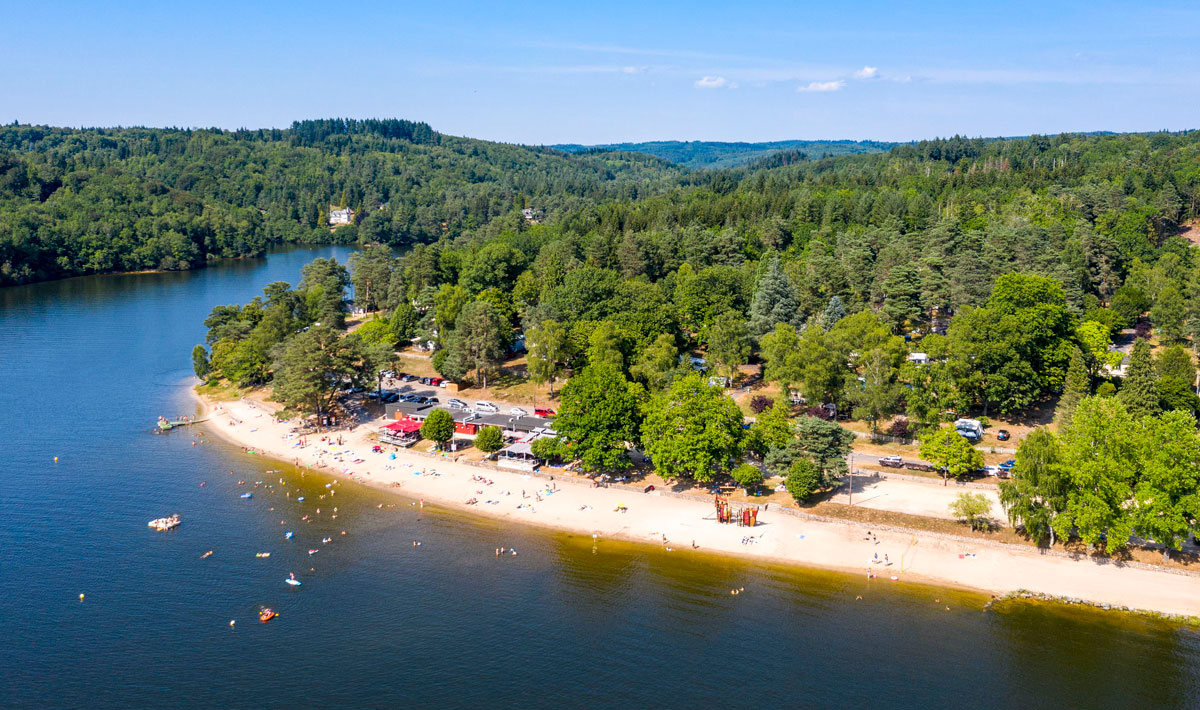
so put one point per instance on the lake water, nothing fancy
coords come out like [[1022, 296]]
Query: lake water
[[86, 365]]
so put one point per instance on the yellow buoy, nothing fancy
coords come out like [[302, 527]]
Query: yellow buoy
[[55, 459], [80, 597]]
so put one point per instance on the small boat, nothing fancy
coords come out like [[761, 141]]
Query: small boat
[[247, 495], [164, 524], [266, 615], [326, 539], [313, 552], [293, 582], [301, 499], [288, 535], [206, 555], [262, 554]]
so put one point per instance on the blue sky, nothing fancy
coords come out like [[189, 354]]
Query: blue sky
[[552, 72]]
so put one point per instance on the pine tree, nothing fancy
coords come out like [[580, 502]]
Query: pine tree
[[1077, 386], [774, 301], [1138, 392], [834, 312]]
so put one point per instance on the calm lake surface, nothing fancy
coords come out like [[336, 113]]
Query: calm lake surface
[[86, 365]]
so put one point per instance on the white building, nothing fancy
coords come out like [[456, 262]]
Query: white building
[[341, 216]]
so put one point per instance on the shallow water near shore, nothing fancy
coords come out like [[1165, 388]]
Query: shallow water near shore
[[87, 364]]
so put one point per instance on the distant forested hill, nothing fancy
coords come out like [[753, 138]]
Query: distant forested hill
[[103, 200], [713, 155]]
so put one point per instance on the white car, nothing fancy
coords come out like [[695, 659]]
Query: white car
[[486, 407], [457, 404], [518, 412]]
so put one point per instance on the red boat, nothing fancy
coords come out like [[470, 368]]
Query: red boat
[[266, 615]]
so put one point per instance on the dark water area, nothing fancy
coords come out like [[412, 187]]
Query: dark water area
[[86, 365]]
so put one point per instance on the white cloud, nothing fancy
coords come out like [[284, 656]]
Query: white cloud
[[867, 72], [822, 86], [714, 82], [633, 70]]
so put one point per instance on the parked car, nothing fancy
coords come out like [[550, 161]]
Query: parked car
[[485, 406], [458, 404], [919, 466], [543, 412], [436, 381], [996, 471], [1009, 464], [426, 380], [443, 383], [893, 461], [518, 412], [408, 378], [420, 400], [1003, 435], [434, 400], [389, 397]]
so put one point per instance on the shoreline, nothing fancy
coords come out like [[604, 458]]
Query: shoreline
[[681, 525]]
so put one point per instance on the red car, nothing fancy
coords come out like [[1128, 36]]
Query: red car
[[543, 412]]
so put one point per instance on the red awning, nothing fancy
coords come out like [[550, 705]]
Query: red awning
[[403, 425]]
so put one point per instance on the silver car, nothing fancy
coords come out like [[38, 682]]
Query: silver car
[[518, 412], [486, 406]]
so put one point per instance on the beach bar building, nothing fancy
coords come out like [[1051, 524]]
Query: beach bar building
[[402, 432]]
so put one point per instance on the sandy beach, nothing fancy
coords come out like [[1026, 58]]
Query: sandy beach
[[681, 525]]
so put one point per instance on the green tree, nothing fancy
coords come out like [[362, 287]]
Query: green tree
[[312, 368], [1014, 350], [950, 453], [1129, 302], [658, 363], [376, 331], [1176, 395], [548, 448], [728, 343], [371, 275], [827, 443], [692, 429], [1037, 490], [782, 358], [1175, 361], [1169, 314], [971, 507], [1094, 340], [803, 479], [902, 297], [547, 347], [323, 284], [448, 303], [1077, 385], [606, 346], [479, 337], [403, 322], [438, 427], [931, 390], [489, 439], [200, 363], [1100, 463], [1166, 498], [1138, 392], [747, 476], [878, 392], [600, 416], [772, 429], [774, 301]]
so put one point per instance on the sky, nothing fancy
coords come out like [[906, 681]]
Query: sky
[[568, 72]]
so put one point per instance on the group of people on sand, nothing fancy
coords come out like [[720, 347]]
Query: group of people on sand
[[506, 551]]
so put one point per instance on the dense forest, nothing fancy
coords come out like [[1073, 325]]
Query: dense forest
[[99, 200], [715, 155], [902, 289]]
